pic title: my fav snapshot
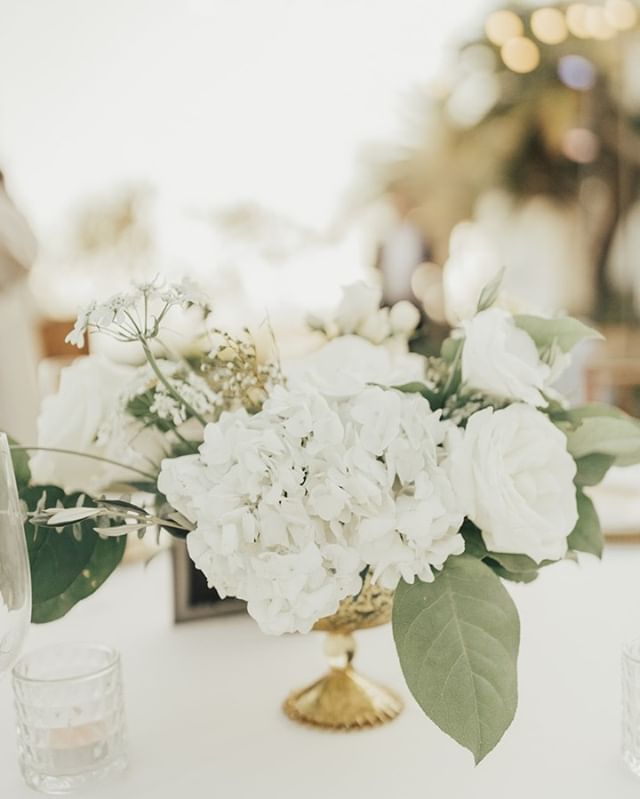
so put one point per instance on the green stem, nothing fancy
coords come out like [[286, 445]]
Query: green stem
[[158, 372], [85, 455], [452, 374], [192, 446]]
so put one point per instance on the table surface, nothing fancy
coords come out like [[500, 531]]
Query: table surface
[[203, 700]]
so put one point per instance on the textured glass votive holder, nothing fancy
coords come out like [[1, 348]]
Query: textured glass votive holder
[[70, 714]]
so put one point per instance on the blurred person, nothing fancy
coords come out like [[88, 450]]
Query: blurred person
[[18, 350]]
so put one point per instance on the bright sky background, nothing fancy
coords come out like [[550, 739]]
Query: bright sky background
[[212, 101]]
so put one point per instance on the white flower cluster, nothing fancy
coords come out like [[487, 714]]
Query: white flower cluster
[[129, 315], [164, 405], [359, 313], [293, 503]]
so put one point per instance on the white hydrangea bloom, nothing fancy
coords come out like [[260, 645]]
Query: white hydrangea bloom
[[345, 365], [292, 503]]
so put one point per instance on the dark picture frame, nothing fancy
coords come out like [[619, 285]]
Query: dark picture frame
[[193, 599]]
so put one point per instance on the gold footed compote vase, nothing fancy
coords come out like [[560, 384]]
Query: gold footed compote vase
[[344, 699]]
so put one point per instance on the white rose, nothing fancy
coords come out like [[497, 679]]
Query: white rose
[[71, 419], [359, 302], [514, 477], [345, 365], [501, 359], [404, 318]]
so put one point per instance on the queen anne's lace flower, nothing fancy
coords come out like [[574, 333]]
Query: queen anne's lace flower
[[291, 504], [130, 315]]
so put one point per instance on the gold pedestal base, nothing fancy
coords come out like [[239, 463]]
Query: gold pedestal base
[[343, 699]]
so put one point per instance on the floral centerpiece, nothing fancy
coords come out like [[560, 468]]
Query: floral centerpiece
[[299, 484]]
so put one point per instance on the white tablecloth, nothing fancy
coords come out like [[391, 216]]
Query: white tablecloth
[[203, 701]]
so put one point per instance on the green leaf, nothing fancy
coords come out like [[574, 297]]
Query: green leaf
[[489, 293], [516, 568], [56, 558], [616, 436], [473, 543], [577, 415], [451, 349], [66, 565], [108, 552], [457, 640], [565, 331], [586, 535], [591, 469], [419, 388], [523, 576]]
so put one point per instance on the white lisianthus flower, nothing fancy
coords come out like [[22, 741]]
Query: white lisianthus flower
[[346, 364], [515, 477], [72, 419], [293, 502], [502, 360]]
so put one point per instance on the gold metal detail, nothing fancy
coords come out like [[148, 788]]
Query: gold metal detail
[[343, 699]]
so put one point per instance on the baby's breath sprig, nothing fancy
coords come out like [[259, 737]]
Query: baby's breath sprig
[[236, 374]]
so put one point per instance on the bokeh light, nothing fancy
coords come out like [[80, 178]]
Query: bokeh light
[[549, 25], [520, 54], [473, 98], [577, 72], [577, 20], [477, 58], [580, 145], [597, 23], [621, 14], [502, 26]]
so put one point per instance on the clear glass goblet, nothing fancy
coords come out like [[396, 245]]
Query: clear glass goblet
[[15, 579]]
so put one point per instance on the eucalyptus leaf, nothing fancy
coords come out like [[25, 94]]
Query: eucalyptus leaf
[[565, 331], [586, 535], [457, 640], [76, 514]]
